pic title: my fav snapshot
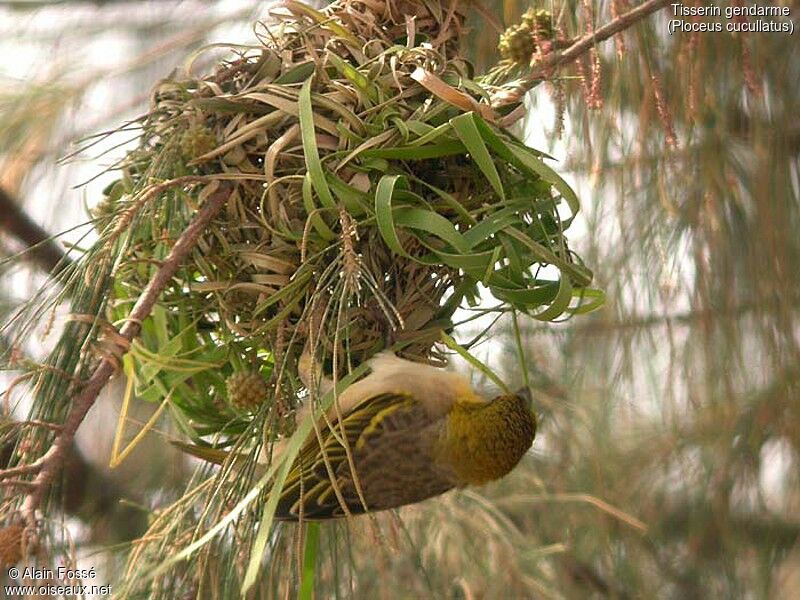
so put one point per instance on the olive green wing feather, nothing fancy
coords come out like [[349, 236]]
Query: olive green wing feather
[[390, 438]]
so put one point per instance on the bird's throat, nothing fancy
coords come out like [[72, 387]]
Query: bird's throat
[[484, 442]]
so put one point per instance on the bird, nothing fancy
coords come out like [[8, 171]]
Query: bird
[[408, 432]]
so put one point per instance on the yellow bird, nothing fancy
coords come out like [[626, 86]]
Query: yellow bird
[[410, 432]]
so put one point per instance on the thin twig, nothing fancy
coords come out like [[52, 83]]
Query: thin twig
[[543, 69], [37, 423], [18, 483], [42, 248], [691, 318], [53, 459]]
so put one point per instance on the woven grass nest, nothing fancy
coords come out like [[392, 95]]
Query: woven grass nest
[[372, 193]]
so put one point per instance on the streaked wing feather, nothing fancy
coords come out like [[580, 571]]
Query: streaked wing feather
[[384, 435]]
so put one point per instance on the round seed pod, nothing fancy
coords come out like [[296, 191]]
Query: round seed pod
[[247, 390], [540, 22], [516, 43], [196, 141], [103, 212]]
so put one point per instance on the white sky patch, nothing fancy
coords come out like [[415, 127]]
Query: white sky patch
[[779, 465]]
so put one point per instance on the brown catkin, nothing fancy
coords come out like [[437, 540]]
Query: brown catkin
[[350, 259], [663, 112], [617, 8], [10, 545]]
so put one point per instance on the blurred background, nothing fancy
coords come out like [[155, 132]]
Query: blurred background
[[667, 461]]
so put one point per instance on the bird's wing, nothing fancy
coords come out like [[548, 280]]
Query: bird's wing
[[390, 438]]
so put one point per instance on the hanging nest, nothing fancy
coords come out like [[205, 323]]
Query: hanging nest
[[371, 193]]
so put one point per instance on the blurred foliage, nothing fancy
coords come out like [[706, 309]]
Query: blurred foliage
[[676, 407]]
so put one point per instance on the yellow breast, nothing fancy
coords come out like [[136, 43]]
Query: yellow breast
[[484, 442]]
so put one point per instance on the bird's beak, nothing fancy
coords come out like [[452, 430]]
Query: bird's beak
[[526, 394]]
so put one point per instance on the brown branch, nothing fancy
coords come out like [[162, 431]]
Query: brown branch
[[34, 467], [578, 48], [88, 494], [42, 248], [53, 459]]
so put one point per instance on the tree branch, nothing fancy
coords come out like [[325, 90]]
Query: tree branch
[[52, 461], [543, 69], [43, 249]]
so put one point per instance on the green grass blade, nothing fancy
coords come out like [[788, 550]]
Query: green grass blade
[[596, 299], [537, 165], [467, 131], [308, 135], [560, 302], [309, 562], [449, 148], [313, 214], [383, 211], [427, 220], [528, 298], [453, 345], [354, 76], [582, 275]]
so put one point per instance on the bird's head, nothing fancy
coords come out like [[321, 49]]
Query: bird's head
[[485, 441]]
